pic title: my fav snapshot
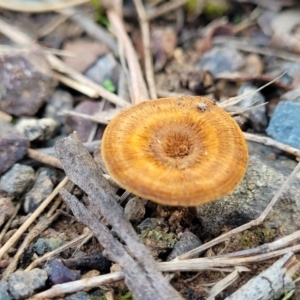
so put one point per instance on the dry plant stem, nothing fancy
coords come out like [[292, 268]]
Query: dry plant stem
[[223, 284], [274, 281], [51, 25], [91, 28], [84, 172], [266, 248], [60, 290], [138, 86], [8, 223], [149, 71], [37, 6], [44, 158], [19, 37], [55, 252], [62, 67], [78, 86], [33, 233], [85, 116], [236, 43], [165, 8], [270, 142], [31, 219], [256, 222], [204, 263]]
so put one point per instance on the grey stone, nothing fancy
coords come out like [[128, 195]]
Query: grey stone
[[13, 146], [79, 296], [6, 211], [61, 100], [262, 180], [284, 126], [148, 224], [135, 209], [256, 112], [26, 82], [58, 273], [22, 284], [44, 245], [41, 189], [4, 295], [221, 59], [105, 68], [187, 242], [16, 180], [37, 129]]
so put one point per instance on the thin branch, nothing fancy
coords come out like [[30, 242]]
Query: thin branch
[[165, 8], [145, 29], [38, 7], [44, 158], [270, 142], [138, 86]]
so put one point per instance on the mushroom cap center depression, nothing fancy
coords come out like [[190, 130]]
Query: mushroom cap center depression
[[175, 146]]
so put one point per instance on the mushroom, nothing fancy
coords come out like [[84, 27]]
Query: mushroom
[[174, 152]]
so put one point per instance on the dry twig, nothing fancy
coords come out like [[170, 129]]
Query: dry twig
[[149, 71], [165, 8], [138, 86], [44, 158], [33, 233], [270, 142]]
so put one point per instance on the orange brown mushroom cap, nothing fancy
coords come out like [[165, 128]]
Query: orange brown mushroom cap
[[175, 151]]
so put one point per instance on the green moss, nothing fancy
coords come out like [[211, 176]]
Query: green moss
[[214, 9], [127, 296], [257, 236], [160, 235]]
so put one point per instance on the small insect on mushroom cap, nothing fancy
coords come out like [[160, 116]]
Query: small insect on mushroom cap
[[174, 152]]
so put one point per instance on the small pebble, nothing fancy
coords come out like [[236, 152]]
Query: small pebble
[[26, 83], [4, 295], [93, 261], [79, 296], [44, 245], [105, 68], [22, 284], [59, 273], [7, 210], [187, 242], [147, 224], [61, 100], [221, 59], [254, 113], [135, 209], [41, 189], [16, 180], [12, 144], [37, 129], [284, 126]]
